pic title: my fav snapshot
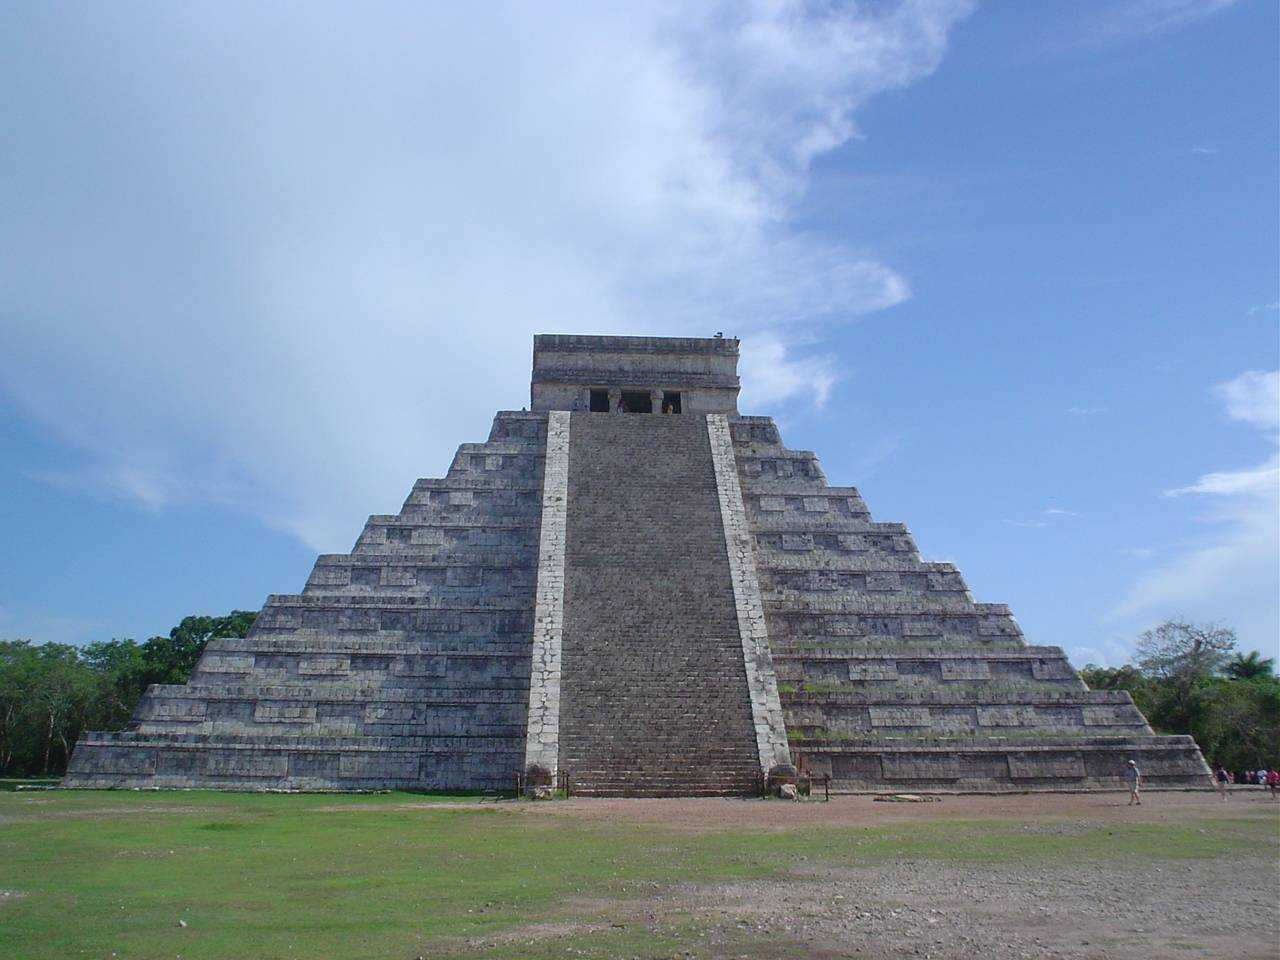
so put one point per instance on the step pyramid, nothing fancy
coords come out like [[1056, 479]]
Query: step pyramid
[[636, 589]]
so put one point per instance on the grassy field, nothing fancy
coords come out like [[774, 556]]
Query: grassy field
[[208, 875]]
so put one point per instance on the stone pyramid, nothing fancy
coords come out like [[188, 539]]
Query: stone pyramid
[[634, 588]]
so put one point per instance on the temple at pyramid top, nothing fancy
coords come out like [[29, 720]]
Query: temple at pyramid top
[[635, 374]]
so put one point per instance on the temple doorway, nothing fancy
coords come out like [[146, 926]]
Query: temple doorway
[[637, 401]]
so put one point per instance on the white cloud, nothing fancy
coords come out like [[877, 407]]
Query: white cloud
[[1086, 411], [1253, 397], [1231, 573], [1053, 513], [1124, 20], [290, 262], [1205, 151], [1264, 308], [772, 373]]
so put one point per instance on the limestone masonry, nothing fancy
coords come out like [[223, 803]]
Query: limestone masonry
[[636, 589]]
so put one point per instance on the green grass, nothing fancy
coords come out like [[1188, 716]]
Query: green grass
[[393, 875]]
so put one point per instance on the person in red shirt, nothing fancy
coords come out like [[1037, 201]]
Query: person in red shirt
[[1273, 783]]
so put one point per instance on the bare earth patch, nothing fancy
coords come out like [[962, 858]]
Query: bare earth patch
[[1190, 909], [1220, 908]]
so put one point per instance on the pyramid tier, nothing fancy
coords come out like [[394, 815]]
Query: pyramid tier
[[404, 664], [135, 760], [1003, 765], [891, 676]]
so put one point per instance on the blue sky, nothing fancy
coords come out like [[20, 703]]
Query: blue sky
[[1009, 268]]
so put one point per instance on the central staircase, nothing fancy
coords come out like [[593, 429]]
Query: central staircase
[[654, 690]]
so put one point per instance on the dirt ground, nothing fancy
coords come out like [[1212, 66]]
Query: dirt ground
[[1149, 908], [704, 813]]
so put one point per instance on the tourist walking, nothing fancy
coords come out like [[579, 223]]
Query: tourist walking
[[1273, 783], [1134, 776], [1223, 779]]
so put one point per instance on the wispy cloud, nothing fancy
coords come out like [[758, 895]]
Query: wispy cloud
[[1120, 21], [1053, 515], [295, 241], [1233, 572], [1141, 553], [1086, 411], [871, 456], [1254, 398], [773, 370], [1205, 151], [1264, 308]]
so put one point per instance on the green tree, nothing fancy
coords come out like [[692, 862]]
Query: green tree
[[171, 659], [1111, 678], [1184, 680], [60, 697], [121, 669], [50, 693], [1250, 666], [1184, 652], [19, 668]]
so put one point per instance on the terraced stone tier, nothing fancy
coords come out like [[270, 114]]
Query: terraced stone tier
[[891, 676], [225, 762], [1000, 765], [404, 664], [654, 697]]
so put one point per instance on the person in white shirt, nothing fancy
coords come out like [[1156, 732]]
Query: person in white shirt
[[1134, 776]]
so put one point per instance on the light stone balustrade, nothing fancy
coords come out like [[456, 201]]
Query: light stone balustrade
[[542, 738], [762, 682]]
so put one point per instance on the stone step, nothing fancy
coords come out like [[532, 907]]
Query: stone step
[[653, 666]]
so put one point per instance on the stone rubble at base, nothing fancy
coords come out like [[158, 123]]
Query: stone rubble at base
[[647, 603]]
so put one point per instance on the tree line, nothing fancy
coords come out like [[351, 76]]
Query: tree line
[[1189, 678], [51, 692]]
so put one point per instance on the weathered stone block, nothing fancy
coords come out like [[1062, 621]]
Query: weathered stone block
[[900, 716], [873, 670], [965, 670], [920, 767], [1060, 766]]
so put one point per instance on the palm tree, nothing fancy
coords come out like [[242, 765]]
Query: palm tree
[[1250, 667]]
